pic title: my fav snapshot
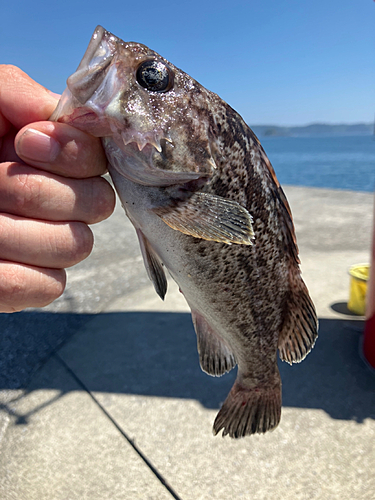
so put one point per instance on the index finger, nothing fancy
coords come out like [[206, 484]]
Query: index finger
[[22, 100]]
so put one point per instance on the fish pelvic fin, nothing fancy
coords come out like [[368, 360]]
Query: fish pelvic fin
[[211, 218], [153, 265], [215, 355], [300, 329], [247, 411]]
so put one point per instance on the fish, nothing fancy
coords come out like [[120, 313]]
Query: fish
[[207, 207]]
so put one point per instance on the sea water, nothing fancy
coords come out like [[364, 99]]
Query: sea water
[[335, 162]]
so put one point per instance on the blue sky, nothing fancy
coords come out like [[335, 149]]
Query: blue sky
[[287, 62]]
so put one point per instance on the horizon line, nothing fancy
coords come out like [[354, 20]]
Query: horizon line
[[312, 123]]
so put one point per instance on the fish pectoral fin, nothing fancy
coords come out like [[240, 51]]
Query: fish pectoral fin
[[153, 265], [211, 218], [300, 328], [248, 411], [215, 356]]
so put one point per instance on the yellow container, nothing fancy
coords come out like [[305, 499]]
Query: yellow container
[[359, 275]]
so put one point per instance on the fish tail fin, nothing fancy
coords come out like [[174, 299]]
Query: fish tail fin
[[300, 328], [249, 411]]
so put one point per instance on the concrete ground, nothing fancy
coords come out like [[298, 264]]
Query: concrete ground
[[102, 396]]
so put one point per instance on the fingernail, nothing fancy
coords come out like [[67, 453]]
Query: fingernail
[[36, 146]]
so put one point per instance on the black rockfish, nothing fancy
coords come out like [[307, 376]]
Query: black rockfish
[[205, 202]]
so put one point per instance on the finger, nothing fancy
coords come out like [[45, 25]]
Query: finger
[[61, 149], [26, 286], [32, 193], [22, 100], [46, 244]]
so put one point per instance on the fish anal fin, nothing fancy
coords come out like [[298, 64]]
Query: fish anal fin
[[153, 265], [300, 329], [215, 356], [249, 410], [211, 218]]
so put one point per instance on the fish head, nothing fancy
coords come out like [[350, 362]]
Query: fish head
[[152, 117]]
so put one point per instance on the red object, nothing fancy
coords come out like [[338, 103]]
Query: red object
[[369, 336], [369, 341]]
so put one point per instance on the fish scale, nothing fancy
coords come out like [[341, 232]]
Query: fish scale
[[206, 205]]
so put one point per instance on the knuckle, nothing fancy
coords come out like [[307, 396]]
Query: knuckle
[[10, 71], [27, 192]]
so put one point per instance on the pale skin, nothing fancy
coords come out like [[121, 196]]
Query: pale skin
[[50, 190]]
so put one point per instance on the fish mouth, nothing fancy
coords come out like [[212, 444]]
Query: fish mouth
[[95, 75], [94, 65], [84, 118], [92, 47], [94, 68]]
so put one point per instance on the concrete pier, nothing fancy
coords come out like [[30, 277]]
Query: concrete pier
[[102, 397]]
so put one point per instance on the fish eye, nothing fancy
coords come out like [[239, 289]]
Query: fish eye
[[154, 76]]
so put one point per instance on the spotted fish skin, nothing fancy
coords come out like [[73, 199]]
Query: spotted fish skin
[[206, 204]]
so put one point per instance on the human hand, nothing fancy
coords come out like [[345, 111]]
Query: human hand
[[50, 189]]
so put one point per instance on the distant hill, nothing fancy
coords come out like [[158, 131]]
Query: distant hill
[[322, 129]]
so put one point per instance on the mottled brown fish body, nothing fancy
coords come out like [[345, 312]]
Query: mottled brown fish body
[[206, 204]]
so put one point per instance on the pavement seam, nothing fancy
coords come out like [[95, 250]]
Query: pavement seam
[[139, 452]]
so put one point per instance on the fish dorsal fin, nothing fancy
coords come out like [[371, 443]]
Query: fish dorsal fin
[[300, 328], [215, 356], [211, 218], [285, 211], [153, 265], [288, 229]]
